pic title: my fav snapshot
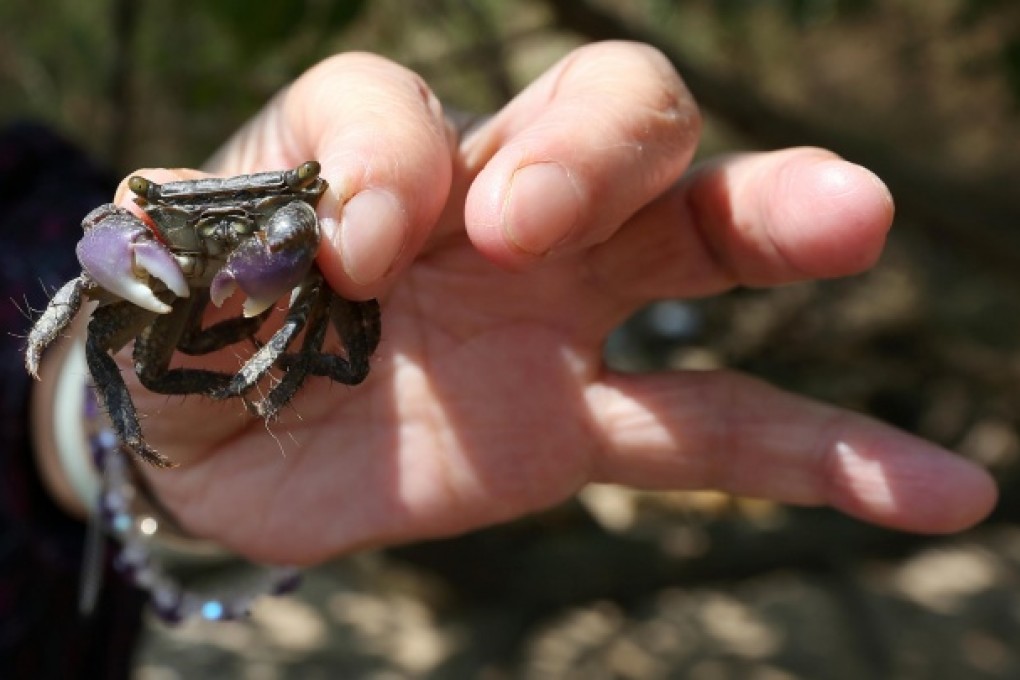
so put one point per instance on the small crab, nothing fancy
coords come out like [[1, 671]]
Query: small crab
[[207, 238]]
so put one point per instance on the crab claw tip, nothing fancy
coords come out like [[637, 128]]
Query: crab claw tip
[[224, 284], [154, 259], [222, 287], [140, 294], [254, 307]]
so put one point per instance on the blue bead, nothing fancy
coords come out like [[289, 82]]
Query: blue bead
[[171, 614], [212, 610], [121, 522]]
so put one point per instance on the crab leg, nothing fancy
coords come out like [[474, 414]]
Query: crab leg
[[63, 307], [106, 325], [297, 371], [358, 325], [153, 349], [264, 359], [359, 328]]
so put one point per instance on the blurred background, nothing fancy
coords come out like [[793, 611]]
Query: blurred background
[[621, 584]]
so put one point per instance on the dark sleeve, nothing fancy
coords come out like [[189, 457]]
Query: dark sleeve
[[46, 187]]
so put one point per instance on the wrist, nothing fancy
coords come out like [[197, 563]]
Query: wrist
[[89, 473]]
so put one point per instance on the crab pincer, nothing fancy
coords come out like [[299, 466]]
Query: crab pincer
[[121, 254], [272, 264]]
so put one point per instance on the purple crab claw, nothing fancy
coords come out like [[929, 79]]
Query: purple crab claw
[[122, 255], [268, 266]]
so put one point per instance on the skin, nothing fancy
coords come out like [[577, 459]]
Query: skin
[[488, 398]]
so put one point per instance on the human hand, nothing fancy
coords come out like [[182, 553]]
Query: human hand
[[488, 397]]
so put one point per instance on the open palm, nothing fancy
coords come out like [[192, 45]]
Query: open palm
[[488, 397]]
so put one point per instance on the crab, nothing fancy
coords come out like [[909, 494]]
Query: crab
[[204, 239]]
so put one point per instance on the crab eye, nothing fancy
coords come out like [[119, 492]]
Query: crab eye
[[308, 170], [242, 227], [139, 185], [303, 175]]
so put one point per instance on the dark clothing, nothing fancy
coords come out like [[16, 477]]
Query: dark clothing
[[46, 187]]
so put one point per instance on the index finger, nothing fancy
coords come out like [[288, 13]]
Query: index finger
[[578, 152]]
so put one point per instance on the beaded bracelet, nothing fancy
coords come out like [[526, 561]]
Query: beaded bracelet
[[185, 576]]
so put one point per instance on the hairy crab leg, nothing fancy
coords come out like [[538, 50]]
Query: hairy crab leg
[[59, 314], [266, 357], [154, 347], [297, 371], [358, 325], [108, 325]]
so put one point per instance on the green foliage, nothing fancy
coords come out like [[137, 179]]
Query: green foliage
[[975, 10], [258, 27], [806, 12], [1011, 67], [798, 12], [171, 88]]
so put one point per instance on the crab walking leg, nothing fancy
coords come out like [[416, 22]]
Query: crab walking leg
[[154, 348], [106, 332], [59, 314], [197, 340], [266, 357], [297, 370], [117, 400], [359, 327]]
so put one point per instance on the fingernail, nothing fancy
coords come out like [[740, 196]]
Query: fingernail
[[541, 209], [373, 228]]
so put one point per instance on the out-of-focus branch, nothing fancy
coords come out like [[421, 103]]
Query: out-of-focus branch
[[124, 21], [983, 225]]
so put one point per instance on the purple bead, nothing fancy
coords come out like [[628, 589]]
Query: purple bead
[[91, 405], [169, 609], [98, 454], [123, 567], [131, 558], [104, 445], [287, 584], [114, 501], [239, 610]]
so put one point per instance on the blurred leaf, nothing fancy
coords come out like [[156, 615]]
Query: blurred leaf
[[973, 11], [799, 12], [1011, 67], [807, 12], [732, 10], [257, 27]]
